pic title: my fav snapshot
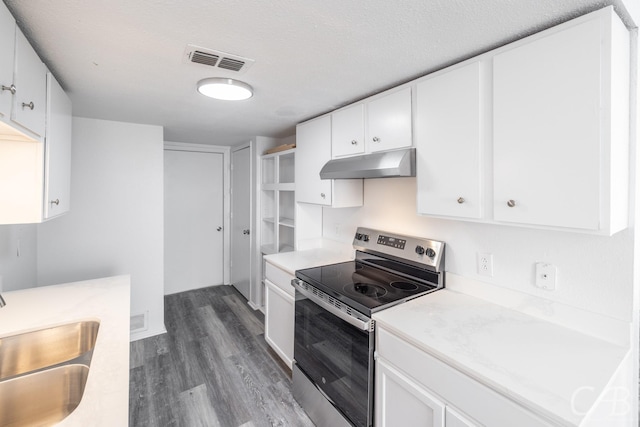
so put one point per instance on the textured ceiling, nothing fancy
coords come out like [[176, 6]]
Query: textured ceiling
[[124, 59]]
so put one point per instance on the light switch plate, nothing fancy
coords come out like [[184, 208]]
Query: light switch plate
[[546, 276]]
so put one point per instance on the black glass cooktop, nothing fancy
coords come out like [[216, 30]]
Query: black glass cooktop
[[363, 287]]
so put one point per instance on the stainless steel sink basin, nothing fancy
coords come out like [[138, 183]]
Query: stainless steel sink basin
[[42, 398], [31, 351]]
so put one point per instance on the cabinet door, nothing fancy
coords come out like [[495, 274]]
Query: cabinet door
[[31, 87], [279, 321], [7, 46], [347, 131], [57, 150], [547, 130], [389, 121], [400, 402], [313, 150], [455, 419], [449, 143]]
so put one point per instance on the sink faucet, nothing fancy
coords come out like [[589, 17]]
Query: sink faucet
[[2, 303]]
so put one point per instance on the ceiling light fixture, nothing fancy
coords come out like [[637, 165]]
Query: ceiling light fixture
[[226, 89]]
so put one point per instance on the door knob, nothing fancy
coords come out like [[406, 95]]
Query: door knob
[[219, 229], [245, 231]]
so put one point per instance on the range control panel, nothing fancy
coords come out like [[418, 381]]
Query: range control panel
[[391, 241], [413, 249]]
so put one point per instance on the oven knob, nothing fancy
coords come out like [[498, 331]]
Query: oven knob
[[431, 253], [419, 250], [358, 236], [365, 237]]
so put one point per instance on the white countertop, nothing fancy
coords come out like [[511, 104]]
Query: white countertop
[[534, 362], [105, 401], [292, 261]]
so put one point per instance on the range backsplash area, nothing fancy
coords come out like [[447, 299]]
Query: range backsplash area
[[594, 273]]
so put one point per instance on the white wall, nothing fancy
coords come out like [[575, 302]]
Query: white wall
[[594, 273], [115, 225], [18, 257]]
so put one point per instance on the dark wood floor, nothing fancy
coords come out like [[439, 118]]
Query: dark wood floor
[[212, 368]]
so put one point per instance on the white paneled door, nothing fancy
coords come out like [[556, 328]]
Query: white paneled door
[[193, 220], [241, 220]]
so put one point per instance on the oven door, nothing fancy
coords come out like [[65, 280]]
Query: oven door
[[335, 351]]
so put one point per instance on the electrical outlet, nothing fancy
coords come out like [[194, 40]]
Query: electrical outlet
[[546, 276], [485, 264]]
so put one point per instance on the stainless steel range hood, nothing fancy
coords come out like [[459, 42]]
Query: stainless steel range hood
[[385, 164]]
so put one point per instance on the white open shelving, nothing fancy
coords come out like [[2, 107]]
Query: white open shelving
[[277, 202]]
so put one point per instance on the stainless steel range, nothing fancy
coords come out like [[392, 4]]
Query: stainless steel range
[[333, 371]]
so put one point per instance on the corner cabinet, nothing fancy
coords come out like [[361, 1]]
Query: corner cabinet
[[277, 202], [313, 150], [34, 175], [57, 191], [535, 133], [30, 80], [7, 50]]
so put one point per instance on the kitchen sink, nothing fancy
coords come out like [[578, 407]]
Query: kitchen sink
[[43, 373], [42, 398], [31, 351]]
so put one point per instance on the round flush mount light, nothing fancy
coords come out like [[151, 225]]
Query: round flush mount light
[[226, 89]]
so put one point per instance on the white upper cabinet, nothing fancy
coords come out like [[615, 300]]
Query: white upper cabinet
[[560, 126], [380, 123], [389, 121], [57, 150], [347, 131], [30, 79], [7, 48], [449, 143], [535, 133], [313, 150]]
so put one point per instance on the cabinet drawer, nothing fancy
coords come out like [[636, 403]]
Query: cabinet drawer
[[455, 388], [280, 278]]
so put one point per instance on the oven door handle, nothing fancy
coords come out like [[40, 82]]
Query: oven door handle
[[360, 324]]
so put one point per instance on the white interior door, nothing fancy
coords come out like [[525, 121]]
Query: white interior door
[[193, 219], [241, 220]]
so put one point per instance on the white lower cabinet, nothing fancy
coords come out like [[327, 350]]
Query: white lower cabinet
[[402, 402], [414, 388], [279, 312], [452, 418]]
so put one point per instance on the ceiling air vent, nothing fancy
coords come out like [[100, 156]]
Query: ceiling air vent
[[231, 64], [217, 59], [204, 58]]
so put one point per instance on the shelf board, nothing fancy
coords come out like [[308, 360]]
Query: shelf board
[[287, 222], [286, 186], [271, 220], [283, 186]]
